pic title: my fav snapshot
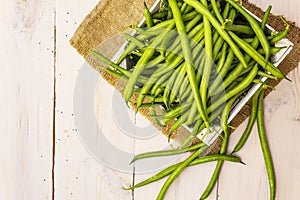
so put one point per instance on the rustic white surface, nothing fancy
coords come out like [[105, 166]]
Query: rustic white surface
[[26, 126], [26, 96]]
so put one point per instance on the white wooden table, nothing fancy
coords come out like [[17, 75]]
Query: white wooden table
[[41, 155]]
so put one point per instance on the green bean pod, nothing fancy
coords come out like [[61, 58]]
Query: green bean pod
[[265, 146]]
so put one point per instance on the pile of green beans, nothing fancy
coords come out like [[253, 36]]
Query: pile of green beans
[[194, 59]]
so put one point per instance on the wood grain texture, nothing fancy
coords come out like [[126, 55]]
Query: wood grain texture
[[77, 174], [26, 99]]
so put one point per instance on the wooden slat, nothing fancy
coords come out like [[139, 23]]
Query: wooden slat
[[78, 175], [26, 99]]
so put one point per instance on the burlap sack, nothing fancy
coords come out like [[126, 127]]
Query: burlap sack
[[110, 17]]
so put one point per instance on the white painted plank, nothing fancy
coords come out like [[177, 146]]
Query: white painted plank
[[26, 96], [78, 175]]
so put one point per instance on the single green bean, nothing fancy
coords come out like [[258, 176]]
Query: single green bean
[[148, 16], [196, 161], [223, 57], [160, 15], [179, 168], [265, 146], [169, 86], [261, 73], [110, 63], [240, 29], [282, 34], [166, 152], [134, 40], [273, 50]]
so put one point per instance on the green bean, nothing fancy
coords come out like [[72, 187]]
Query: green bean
[[179, 168], [265, 146], [212, 117], [240, 29], [167, 41], [148, 17], [225, 11], [176, 112], [235, 73], [155, 120], [224, 126], [166, 152], [189, 16], [160, 15], [248, 79], [183, 8], [169, 85], [157, 90], [255, 27], [195, 34], [193, 23], [208, 59], [154, 99], [170, 14], [115, 73], [181, 120], [188, 57], [222, 58], [149, 52], [196, 161], [158, 73], [282, 34], [273, 50], [153, 31], [217, 46], [139, 54], [154, 79], [215, 9], [265, 18], [160, 83], [225, 68], [141, 79], [134, 40], [143, 34], [110, 63], [249, 40], [261, 73], [188, 8], [250, 124], [180, 79], [205, 12]]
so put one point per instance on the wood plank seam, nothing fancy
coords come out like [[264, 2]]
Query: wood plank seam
[[54, 107]]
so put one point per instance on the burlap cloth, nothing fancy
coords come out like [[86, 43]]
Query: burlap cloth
[[110, 17]]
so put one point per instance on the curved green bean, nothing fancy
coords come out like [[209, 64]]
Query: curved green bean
[[265, 146]]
